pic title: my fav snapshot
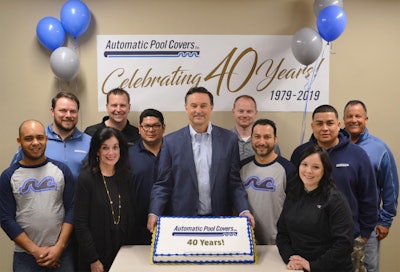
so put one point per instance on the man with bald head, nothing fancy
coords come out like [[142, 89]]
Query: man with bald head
[[36, 196]]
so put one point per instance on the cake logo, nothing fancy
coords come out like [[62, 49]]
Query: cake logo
[[209, 231], [204, 231]]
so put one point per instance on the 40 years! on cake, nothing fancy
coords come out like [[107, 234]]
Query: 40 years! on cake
[[203, 240]]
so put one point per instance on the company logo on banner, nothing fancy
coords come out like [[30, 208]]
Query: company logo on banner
[[158, 70]]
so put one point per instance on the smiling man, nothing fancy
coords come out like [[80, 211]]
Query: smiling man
[[36, 196], [352, 172], [244, 112], [66, 143], [198, 168], [355, 121], [143, 158], [266, 177], [118, 107]]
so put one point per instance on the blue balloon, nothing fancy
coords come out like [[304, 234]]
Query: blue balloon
[[331, 22], [75, 18], [50, 33]]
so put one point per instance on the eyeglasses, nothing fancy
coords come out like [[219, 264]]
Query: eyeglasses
[[154, 127]]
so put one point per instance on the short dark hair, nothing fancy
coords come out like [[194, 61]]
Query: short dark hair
[[245, 96], [199, 90], [356, 102], [153, 113], [325, 108], [65, 95], [118, 91], [264, 122]]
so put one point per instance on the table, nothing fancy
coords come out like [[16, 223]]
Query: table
[[137, 258]]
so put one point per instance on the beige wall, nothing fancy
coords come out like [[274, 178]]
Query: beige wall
[[364, 64]]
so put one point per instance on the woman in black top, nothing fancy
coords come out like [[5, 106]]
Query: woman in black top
[[104, 208], [315, 228]]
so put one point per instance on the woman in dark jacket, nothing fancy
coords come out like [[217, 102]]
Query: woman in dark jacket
[[104, 208], [315, 228]]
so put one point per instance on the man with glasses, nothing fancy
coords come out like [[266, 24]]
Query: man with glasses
[[143, 159]]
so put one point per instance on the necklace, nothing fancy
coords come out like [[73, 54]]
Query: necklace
[[116, 222]]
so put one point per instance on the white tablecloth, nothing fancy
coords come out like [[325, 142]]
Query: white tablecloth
[[137, 258]]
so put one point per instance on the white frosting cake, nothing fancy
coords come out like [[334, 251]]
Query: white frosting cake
[[203, 240]]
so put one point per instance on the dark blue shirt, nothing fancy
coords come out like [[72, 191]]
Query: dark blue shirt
[[355, 178], [144, 165]]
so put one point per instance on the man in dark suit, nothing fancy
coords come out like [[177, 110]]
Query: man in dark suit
[[199, 168]]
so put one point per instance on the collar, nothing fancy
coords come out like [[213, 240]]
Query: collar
[[193, 132]]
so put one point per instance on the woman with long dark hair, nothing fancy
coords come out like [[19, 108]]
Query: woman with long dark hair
[[104, 208], [315, 228]]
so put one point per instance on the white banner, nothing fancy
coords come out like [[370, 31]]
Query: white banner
[[158, 70]]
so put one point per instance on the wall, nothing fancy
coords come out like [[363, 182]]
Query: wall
[[364, 64]]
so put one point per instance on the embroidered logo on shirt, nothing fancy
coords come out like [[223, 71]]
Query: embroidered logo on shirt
[[34, 185], [342, 165], [267, 184], [80, 151]]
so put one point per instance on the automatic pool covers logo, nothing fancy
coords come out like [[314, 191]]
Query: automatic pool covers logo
[[151, 49]]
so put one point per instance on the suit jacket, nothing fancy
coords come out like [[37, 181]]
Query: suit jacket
[[177, 179]]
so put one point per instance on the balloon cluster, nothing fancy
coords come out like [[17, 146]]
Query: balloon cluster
[[51, 33], [331, 22]]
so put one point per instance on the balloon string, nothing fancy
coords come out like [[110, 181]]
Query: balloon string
[[76, 49], [307, 88], [75, 44]]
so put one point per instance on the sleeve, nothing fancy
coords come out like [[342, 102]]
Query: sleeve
[[8, 207], [294, 159], [238, 192], [162, 187], [341, 230], [68, 196], [367, 195], [290, 171], [90, 130], [82, 206], [388, 186], [282, 238]]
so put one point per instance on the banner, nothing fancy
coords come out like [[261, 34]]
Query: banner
[[158, 70]]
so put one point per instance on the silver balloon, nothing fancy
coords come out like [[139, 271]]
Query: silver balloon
[[306, 45], [64, 63], [321, 4]]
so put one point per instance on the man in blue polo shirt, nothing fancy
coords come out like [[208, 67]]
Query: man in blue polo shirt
[[355, 121], [66, 143]]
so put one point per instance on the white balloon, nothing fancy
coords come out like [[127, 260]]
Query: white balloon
[[64, 63], [306, 45], [321, 4]]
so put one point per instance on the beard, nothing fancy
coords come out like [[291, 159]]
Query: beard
[[66, 129], [32, 157], [265, 152]]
